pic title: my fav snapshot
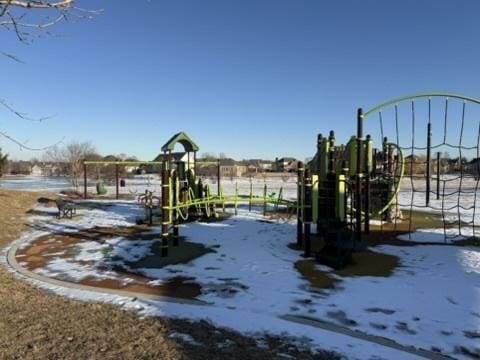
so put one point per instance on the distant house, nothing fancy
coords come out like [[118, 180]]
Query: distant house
[[52, 169], [254, 166], [130, 169], [286, 164], [473, 167], [173, 157], [36, 170], [415, 165], [44, 169], [265, 166], [252, 169], [230, 169]]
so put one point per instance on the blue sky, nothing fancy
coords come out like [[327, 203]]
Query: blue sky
[[250, 78]]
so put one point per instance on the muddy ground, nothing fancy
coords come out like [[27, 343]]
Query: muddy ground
[[35, 324]]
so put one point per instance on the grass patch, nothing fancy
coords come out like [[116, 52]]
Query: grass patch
[[418, 220], [367, 263], [317, 279], [423, 220], [14, 206], [183, 253]]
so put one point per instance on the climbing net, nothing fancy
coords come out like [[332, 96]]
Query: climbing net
[[439, 137]]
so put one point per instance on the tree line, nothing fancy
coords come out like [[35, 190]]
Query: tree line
[[67, 160]]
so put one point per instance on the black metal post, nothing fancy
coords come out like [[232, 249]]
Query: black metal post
[[265, 200], [199, 191], [429, 150], [195, 163], [218, 177], [390, 159], [358, 183], [165, 208], [150, 208], [84, 180], [300, 177], [438, 175], [384, 154], [331, 178], [117, 189], [331, 152], [320, 179], [308, 213], [250, 197], [367, 188], [175, 200]]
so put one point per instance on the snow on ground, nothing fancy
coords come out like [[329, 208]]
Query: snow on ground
[[436, 236], [137, 185], [248, 323], [431, 301]]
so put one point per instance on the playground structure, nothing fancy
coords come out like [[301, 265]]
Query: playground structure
[[334, 192], [348, 187], [183, 195], [346, 190]]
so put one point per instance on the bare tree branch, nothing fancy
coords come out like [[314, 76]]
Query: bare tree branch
[[21, 115], [18, 17], [24, 146], [5, 8], [14, 22], [38, 4], [12, 57]]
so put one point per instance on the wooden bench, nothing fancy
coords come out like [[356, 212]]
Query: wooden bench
[[65, 209]]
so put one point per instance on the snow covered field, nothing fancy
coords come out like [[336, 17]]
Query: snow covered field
[[432, 301], [35, 183], [139, 183]]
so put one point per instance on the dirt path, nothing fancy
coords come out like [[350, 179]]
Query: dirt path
[[37, 325]]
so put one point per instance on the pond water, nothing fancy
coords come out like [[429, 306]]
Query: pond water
[[35, 183]]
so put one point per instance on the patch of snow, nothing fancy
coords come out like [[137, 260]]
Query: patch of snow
[[434, 236], [185, 338], [72, 271]]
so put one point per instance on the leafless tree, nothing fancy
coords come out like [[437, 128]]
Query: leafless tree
[[28, 20], [208, 156], [72, 154]]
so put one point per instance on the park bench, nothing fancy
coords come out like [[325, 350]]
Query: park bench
[[65, 208]]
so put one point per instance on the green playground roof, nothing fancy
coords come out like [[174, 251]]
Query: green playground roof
[[183, 139]]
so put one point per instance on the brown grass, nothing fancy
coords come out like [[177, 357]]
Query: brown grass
[[365, 263], [37, 325]]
